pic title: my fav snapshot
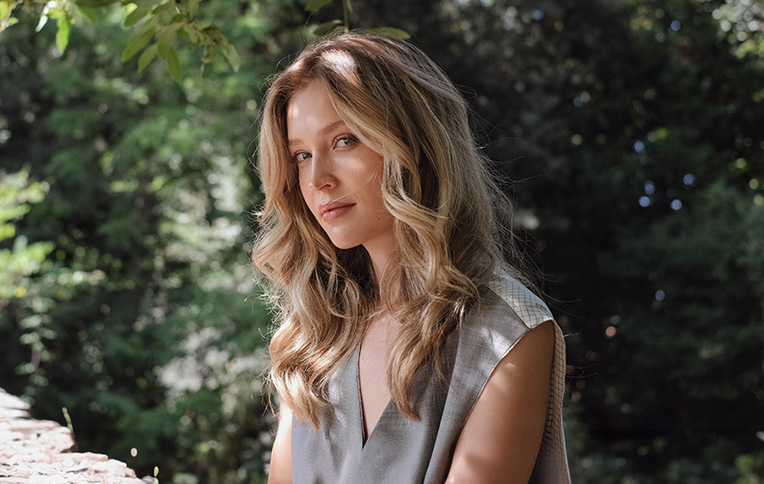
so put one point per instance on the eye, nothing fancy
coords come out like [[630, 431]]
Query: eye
[[300, 156], [345, 140]]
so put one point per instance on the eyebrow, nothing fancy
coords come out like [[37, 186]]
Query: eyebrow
[[326, 129]]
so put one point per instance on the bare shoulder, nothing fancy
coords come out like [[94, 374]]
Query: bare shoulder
[[281, 454], [502, 436]]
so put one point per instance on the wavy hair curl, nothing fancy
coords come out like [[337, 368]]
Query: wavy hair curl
[[447, 224]]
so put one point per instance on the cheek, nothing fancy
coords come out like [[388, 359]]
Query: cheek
[[374, 172], [305, 195], [376, 183], [302, 184]]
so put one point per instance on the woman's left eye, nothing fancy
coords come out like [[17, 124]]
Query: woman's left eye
[[345, 140]]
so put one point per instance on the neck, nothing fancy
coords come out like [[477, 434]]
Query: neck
[[380, 260]]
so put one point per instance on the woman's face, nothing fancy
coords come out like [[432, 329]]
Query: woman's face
[[340, 177]]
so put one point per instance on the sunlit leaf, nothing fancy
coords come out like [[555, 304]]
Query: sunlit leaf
[[62, 36], [136, 16], [139, 41], [7, 231]]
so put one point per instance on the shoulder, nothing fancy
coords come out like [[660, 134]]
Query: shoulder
[[505, 312], [528, 307], [281, 453]]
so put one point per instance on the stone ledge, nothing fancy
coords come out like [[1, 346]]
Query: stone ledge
[[38, 452]]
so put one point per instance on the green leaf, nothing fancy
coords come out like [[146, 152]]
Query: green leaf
[[173, 63], [5, 9], [136, 16], [139, 41], [7, 231], [326, 27], [146, 57], [190, 33], [193, 7], [166, 39], [390, 32], [165, 9], [145, 3], [88, 13], [315, 5], [12, 21], [230, 53], [62, 36], [95, 3]]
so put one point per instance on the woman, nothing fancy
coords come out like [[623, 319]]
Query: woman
[[406, 350]]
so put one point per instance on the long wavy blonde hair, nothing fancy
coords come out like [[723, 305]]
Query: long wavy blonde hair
[[436, 185]]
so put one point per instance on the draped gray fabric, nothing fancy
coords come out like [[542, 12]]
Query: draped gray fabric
[[401, 450]]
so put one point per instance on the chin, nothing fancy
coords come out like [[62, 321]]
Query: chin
[[342, 243], [345, 246]]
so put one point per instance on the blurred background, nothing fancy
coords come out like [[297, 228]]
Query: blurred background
[[633, 135]]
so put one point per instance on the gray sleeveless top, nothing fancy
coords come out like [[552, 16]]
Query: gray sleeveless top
[[401, 450]]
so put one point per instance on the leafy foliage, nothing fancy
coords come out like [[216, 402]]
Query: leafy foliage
[[149, 197], [163, 21]]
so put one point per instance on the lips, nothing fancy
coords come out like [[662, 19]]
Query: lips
[[334, 210]]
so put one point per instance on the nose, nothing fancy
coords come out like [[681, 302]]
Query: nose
[[320, 173]]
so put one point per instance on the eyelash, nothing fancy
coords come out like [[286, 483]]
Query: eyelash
[[295, 157], [348, 138]]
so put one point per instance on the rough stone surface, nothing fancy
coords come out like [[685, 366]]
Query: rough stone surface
[[38, 452]]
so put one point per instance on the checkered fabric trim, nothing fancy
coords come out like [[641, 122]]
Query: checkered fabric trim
[[527, 305]]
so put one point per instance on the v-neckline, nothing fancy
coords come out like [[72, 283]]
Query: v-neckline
[[364, 435]]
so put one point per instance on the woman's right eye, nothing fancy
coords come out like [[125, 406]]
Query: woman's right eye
[[300, 156]]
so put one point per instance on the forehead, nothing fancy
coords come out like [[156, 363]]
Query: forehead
[[310, 111]]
